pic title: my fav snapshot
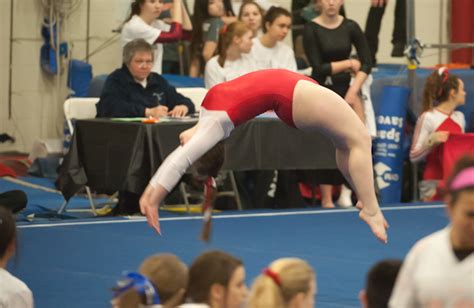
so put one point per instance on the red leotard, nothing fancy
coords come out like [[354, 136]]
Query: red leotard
[[434, 164], [252, 94]]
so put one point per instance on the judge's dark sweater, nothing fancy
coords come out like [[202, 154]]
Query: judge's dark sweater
[[122, 96]]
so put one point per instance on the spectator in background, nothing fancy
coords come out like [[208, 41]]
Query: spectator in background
[[264, 4], [328, 40], [374, 20], [134, 91], [143, 23], [442, 94], [216, 279], [165, 278], [379, 284], [13, 291], [251, 14], [268, 50], [438, 269], [233, 59], [303, 11], [175, 55], [287, 282], [209, 18]]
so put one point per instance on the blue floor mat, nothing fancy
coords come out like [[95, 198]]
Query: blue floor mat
[[44, 204], [76, 264]]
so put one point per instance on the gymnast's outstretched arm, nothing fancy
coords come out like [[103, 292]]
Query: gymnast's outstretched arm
[[195, 142]]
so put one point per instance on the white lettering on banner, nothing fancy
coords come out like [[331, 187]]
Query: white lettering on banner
[[390, 120], [391, 134], [384, 176], [273, 185]]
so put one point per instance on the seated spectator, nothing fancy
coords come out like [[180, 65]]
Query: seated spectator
[[443, 93], [287, 282], [233, 60], [264, 4], [209, 18], [13, 291], [268, 50], [438, 269], [379, 284], [143, 23], [251, 14], [216, 280], [164, 278], [134, 91]]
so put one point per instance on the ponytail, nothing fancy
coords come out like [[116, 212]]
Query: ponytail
[[281, 282], [134, 9], [226, 35], [225, 38], [438, 86]]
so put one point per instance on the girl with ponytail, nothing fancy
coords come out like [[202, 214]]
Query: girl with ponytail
[[443, 93], [143, 23], [233, 60], [287, 282], [160, 282]]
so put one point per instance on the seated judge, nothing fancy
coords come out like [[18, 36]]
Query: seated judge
[[135, 91]]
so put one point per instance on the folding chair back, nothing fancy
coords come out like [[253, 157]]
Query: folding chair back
[[79, 108], [195, 94]]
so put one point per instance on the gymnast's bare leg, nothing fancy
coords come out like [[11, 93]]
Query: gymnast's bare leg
[[317, 108], [213, 126]]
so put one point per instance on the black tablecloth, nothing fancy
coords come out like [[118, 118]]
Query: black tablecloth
[[111, 155]]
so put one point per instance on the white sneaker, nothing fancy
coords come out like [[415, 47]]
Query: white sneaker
[[345, 200]]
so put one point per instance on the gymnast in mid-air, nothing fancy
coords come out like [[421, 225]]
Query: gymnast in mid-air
[[299, 102]]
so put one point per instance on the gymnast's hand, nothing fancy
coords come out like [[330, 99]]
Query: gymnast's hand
[[150, 208], [186, 135]]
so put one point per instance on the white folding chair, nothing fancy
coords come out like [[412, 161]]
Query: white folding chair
[[77, 108], [197, 95]]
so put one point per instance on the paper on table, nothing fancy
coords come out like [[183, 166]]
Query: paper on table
[[138, 119]]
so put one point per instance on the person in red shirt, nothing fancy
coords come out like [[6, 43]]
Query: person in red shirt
[[299, 102], [443, 93]]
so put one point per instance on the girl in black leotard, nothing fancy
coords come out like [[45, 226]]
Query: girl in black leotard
[[328, 41]]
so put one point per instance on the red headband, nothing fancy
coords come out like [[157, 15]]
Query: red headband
[[223, 29], [274, 276]]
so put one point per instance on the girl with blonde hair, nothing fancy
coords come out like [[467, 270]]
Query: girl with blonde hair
[[286, 283]]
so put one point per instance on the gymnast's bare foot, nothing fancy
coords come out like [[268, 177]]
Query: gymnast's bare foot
[[376, 222]]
